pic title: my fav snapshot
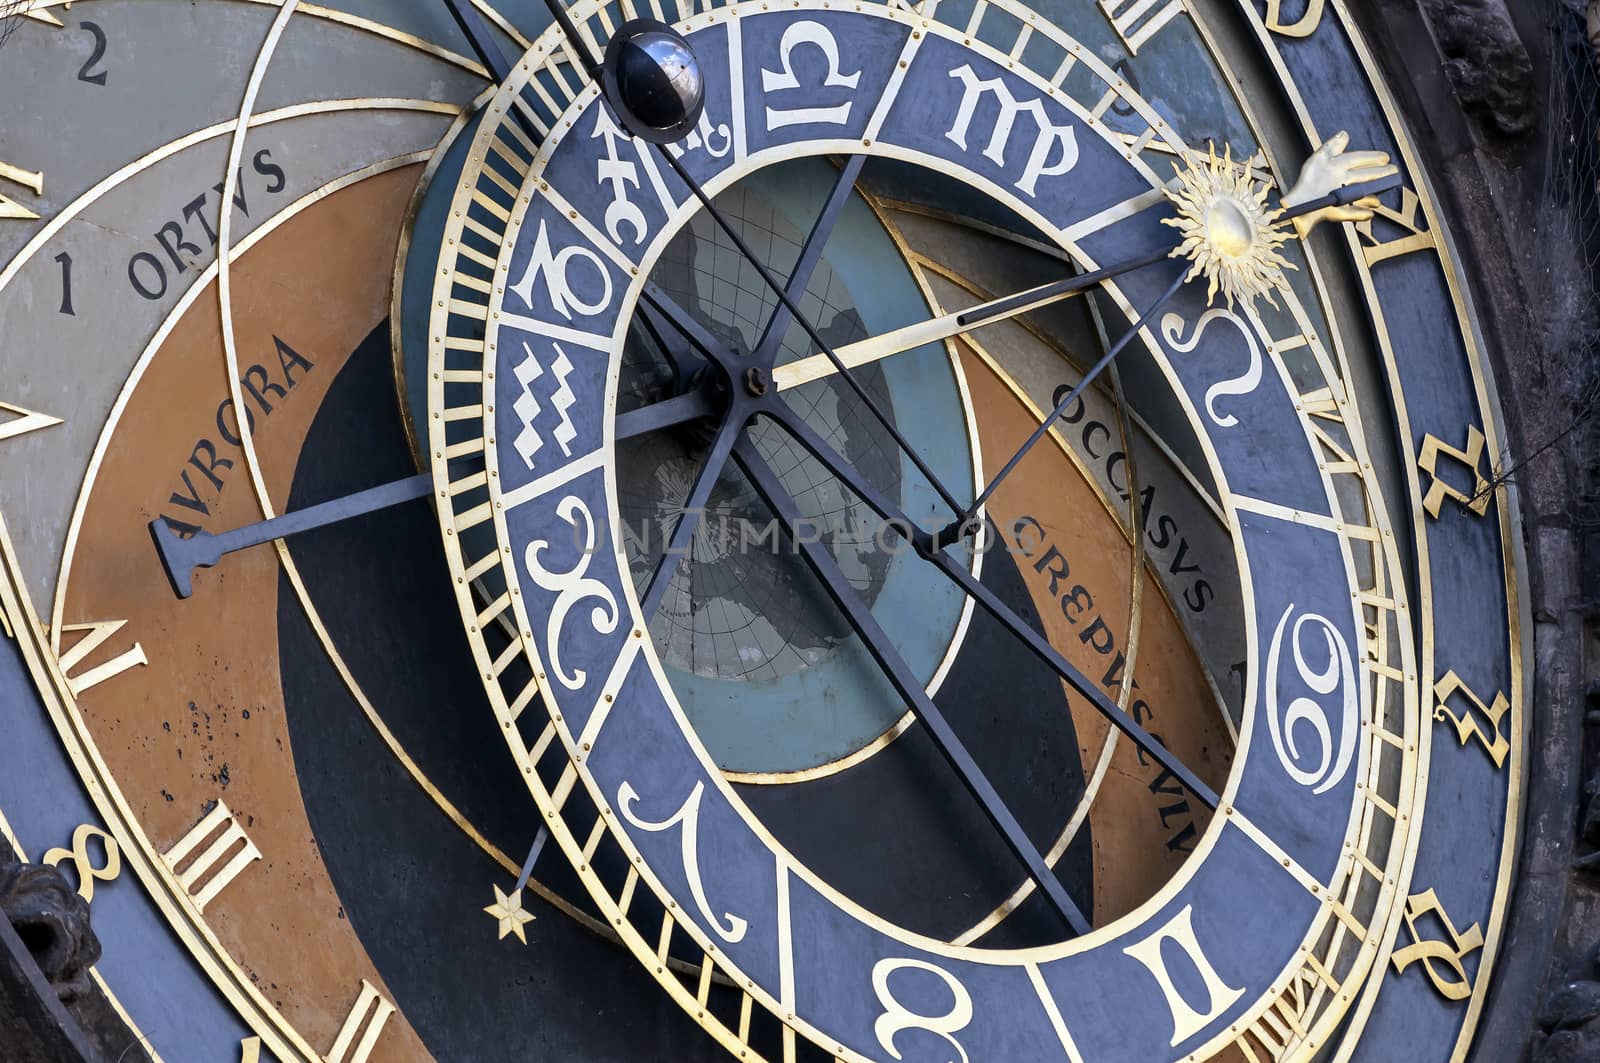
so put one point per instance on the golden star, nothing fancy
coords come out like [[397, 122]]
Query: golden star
[[511, 914]]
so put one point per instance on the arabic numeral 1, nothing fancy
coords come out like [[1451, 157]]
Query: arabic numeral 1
[[66, 284]]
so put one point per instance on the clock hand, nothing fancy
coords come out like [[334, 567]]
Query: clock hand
[[1352, 195], [878, 644], [693, 508], [755, 374], [810, 330], [533, 857], [180, 557], [810, 254], [495, 61], [705, 345], [958, 527], [953, 570], [1307, 204], [874, 348]]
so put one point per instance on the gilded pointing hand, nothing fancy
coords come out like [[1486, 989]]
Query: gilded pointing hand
[[1329, 169]]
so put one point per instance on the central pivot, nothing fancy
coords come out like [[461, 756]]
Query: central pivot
[[756, 381]]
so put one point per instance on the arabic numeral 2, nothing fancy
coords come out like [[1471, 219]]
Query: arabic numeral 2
[[87, 71], [66, 284]]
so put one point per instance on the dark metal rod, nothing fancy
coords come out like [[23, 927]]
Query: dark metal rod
[[982, 314], [533, 857], [180, 556], [807, 437], [478, 36], [685, 360], [692, 510], [822, 345], [810, 255], [909, 687], [688, 326], [953, 530], [690, 406]]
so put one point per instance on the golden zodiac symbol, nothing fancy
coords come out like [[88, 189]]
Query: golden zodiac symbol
[[87, 872]]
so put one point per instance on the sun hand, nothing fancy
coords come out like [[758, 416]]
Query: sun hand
[[1329, 169]]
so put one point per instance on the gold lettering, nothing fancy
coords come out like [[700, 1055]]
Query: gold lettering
[[381, 1009], [1428, 951], [250, 1050], [33, 179], [1466, 724], [1428, 461], [212, 855], [81, 862], [98, 632], [1187, 1020]]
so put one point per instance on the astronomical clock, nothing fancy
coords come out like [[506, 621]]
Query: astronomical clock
[[854, 530]]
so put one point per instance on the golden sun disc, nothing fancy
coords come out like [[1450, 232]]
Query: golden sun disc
[[1228, 231]]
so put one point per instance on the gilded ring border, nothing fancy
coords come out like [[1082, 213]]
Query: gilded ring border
[[437, 396]]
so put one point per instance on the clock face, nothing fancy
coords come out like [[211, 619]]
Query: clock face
[[776, 638]]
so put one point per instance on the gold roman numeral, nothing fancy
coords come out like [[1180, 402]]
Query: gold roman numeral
[[205, 863], [23, 421], [1136, 21], [1467, 725], [369, 1001], [31, 179], [98, 632], [1433, 448], [250, 1050]]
